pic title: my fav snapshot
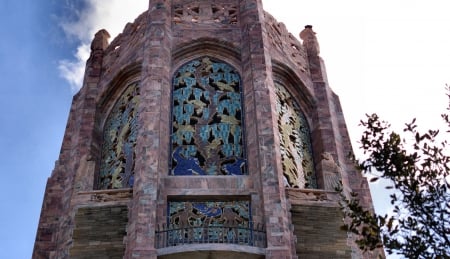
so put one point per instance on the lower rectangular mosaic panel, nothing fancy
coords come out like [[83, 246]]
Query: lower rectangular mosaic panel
[[191, 222]]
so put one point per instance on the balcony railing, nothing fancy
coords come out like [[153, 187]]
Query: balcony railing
[[254, 235]]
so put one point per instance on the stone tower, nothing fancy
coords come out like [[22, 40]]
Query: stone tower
[[203, 130]]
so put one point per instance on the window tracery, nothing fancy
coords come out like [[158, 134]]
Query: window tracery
[[295, 142], [207, 133], [119, 141]]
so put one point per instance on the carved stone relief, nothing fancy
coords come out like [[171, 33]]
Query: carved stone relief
[[206, 12], [286, 43], [332, 172]]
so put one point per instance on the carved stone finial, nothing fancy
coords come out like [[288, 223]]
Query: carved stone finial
[[100, 41], [309, 40]]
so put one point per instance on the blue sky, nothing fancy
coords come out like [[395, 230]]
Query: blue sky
[[35, 106], [389, 57]]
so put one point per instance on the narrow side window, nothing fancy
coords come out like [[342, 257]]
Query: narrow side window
[[119, 142]]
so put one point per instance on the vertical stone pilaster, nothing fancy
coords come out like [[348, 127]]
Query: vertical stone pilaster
[[326, 135], [262, 131], [152, 134]]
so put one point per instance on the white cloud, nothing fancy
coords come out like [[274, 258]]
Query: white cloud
[[73, 70], [97, 15]]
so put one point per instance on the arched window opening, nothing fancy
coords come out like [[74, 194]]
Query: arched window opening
[[207, 132], [295, 142], [119, 142]]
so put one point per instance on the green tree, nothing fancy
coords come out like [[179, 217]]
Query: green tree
[[418, 169]]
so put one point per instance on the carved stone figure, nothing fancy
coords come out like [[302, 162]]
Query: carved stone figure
[[331, 172], [310, 40]]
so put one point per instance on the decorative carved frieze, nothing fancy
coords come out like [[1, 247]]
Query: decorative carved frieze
[[98, 197], [312, 196], [206, 12], [105, 196], [282, 40]]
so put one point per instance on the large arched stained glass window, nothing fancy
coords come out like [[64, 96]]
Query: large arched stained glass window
[[207, 133], [295, 142], [119, 141]]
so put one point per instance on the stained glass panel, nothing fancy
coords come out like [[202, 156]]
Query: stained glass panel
[[207, 137], [295, 142], [211, 221], [119, 141]]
